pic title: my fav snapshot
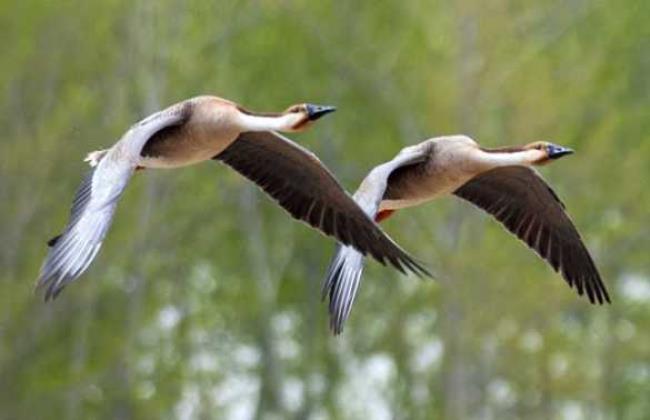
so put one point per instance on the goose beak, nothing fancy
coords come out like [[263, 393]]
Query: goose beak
[[555, 152], [314, 112]]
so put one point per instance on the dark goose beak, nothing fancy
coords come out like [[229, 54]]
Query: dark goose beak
[[314, 112], [555, 151]]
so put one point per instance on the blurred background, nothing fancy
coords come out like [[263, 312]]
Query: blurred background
[[204, 302]]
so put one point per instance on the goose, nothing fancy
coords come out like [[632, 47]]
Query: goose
[[211, 128], [501, 181]]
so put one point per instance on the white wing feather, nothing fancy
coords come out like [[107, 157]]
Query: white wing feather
[[95, 202], [344, 273]]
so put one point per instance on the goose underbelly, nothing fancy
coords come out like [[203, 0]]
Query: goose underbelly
[[395, 204], [429, 187], [183, 148], [177, 160]]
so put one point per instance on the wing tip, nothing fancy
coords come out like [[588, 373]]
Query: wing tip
[[409, 264], [336, 328], [341, 286], [52, 288], [590, 285], [54, 240]]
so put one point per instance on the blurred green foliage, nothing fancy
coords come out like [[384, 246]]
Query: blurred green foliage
[[204, 302]]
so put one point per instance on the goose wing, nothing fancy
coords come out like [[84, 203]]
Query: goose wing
[[522, 201], [344, 273], [303, 186], [72, 251]]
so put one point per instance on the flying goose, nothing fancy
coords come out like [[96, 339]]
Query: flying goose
[[205, 128], [500, 181]]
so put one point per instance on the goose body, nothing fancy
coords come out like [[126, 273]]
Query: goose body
[[502, 182], [208, 125], [211, 128], [212, 125]]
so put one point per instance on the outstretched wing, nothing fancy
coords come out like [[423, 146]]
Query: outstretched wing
[[346, 267], [520, 199], [303, 186], [72, 252]]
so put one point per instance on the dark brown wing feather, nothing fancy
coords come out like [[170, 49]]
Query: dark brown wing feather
[[406, 181], [303, 186], [522, 201]]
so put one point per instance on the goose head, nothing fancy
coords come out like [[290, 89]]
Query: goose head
[[299, 117], [547, 151]]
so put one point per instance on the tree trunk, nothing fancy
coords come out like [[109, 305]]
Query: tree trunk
[[270, 397]]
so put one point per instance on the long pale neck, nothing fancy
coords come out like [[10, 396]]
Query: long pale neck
[[280, 122], [524, 157]]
